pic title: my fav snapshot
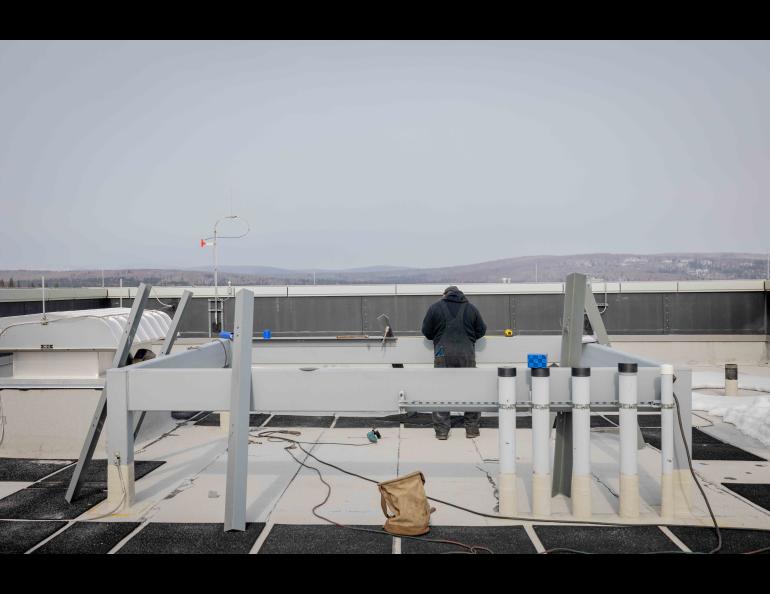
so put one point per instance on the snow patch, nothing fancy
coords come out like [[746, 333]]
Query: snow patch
[[749, 414]]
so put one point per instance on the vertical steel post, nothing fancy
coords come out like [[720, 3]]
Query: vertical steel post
[[120, 442], [581, 442], [667, 441], [100, 414], [627, 402], [506, 395], [240, 403], [541, 433]]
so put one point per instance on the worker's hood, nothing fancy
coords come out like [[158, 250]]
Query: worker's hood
[[455, 295]]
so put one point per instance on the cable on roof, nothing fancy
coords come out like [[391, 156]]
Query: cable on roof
[[271, 436]]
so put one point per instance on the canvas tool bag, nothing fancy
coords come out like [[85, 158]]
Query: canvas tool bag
[[405, 505]]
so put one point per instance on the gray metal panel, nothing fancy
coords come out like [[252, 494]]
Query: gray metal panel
[[627, 313], [494, 350], [406, 312], [634, 313], [538, 314], [718, 313], [495, 310], [328, 390], [309, 315], [23, 308]]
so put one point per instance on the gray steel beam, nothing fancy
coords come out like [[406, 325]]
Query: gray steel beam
[[575, 290], [363, 390], [174, 329], [240, 402], [100, 414], [168, 343], [491, 350], [595, 318]]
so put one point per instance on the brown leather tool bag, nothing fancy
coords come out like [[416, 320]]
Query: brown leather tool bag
[[405, 505]]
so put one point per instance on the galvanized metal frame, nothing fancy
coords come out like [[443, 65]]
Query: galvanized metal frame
[[195, 379], [100, 414]]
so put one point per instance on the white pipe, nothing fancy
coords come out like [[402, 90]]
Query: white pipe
[[506, 396], [629, 477], [581, 442], [667, 440], [541, 434]]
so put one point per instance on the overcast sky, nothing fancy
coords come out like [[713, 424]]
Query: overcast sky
[[344, 154]]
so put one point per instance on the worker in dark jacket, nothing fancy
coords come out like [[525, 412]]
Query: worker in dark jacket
[[454, 326]]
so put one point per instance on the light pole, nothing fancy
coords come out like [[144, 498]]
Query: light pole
[[204, 243]]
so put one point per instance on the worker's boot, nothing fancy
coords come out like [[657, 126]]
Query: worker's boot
[[441, 424], [472, 421]]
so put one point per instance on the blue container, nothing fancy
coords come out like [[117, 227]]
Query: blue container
[[228, 335], [266, 334], [537, 360]]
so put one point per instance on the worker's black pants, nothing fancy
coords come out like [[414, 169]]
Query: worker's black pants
[[441, 420]]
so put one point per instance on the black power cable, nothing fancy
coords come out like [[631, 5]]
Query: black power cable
[[517, 518], [470, 549]]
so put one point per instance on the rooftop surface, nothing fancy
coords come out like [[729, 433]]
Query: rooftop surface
[[180, 492]]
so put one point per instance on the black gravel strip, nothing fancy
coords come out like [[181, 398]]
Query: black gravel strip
[[320, 539], [602, 421], [758, 494], [498, 539], [644, 420], [364, 423], [48, 503], [418, 421], [705, 447], [702, 540], [177, 538], [300, 421], [491, 422], [96, 474], [29, 470], [88, 538], [212, 420], [605, 540], [19, 537]]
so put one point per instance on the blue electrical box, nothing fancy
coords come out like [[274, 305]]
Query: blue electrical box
[[536, 360]]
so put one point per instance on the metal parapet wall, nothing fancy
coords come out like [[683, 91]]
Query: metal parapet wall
[[630, 308]]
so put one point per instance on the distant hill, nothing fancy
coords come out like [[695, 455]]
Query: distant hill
[[600, 266]]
